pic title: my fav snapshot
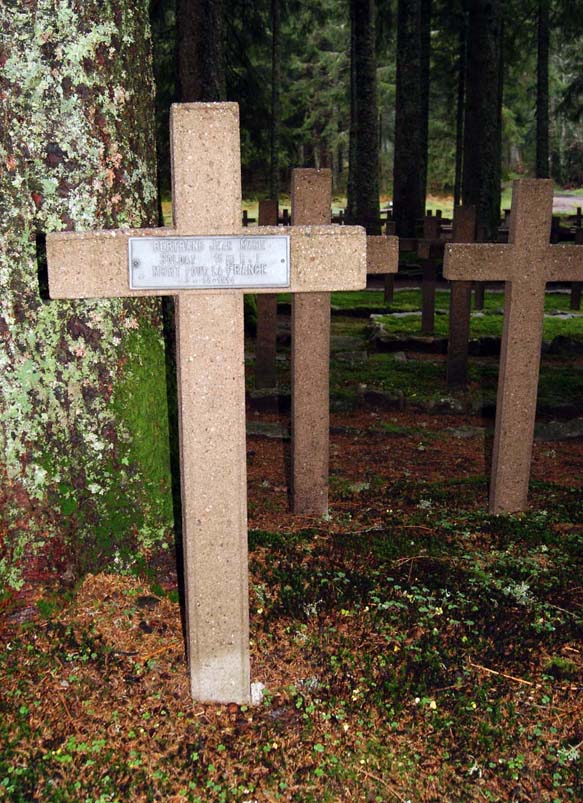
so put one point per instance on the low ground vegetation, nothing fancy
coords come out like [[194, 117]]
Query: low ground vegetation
[[412, 647]]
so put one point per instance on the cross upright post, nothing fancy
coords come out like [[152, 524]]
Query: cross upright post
[[526, 264], [207, 262], [464, 228], [266, 340], [429, 249], [311, 192], [311, 203]]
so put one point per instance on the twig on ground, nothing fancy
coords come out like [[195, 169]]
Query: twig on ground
[[501, 674]]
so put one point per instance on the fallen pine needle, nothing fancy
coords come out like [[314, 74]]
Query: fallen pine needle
[[501, 674], [145, 658]]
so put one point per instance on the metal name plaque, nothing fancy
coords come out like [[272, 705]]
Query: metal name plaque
[[208, 263]]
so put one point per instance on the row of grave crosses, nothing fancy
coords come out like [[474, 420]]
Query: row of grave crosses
[[209, 341]]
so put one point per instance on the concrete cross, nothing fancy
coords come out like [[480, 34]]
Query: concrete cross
[[207, 262], [526, 264], [460, 295], [266, 340], [429, 249], [311, 193]]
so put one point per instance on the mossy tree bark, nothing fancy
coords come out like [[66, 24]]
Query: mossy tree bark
[[84, 473], [363, 203], [409, 158], [482, 123]]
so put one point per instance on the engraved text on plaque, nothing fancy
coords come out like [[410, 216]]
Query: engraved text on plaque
[[168, 263]]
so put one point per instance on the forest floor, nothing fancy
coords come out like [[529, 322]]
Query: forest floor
[[412, 646]]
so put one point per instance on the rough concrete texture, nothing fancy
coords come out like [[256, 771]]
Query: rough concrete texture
[[526, 264], [382, 254], [311, 197], [95, 264], [211, 390], [464, 228], [207, 201], [265, 343], [209, 345]]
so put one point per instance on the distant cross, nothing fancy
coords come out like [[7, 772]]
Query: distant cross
[[389, 278], [266, 339], [460, 295], [311, 192], [208, 276], [429, 249], [576, 286], [526, 264]]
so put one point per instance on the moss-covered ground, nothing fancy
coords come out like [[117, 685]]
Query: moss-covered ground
[[412, 646], [421, 378]]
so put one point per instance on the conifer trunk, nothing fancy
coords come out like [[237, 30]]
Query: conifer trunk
[[199, 51], [542, 91], [83, 484], [425, 77], [275, 99], [364, 183], [482, 122], [409, 159]]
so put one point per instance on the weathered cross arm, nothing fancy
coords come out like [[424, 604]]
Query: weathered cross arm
[[382, 254], [564, 263], [489, 262], [95, 264]]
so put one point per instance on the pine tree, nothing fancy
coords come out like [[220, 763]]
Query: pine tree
[[81, 479], [363, 202]]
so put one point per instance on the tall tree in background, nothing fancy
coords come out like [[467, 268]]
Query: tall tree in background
[[542, 90], [199, 51], [275, 98], [482, 123], [82, 481], [461, 94], [363, 189], [409, 158], [425, 42]]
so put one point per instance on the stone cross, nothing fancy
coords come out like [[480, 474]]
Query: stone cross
[[576, 286], [526, 264], [311, 203], [389, 278], [311, 192], [464, 231], [429, 249], [207, 262], [266, 339]]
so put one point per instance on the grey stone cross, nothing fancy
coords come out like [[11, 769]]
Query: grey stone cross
[[526, 264], [207, 262]]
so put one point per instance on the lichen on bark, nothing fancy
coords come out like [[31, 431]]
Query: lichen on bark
[[77, 151]]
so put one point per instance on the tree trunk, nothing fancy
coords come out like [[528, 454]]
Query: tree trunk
[[461, 92], [199, 51], [364, 206], [408, 159], [424, 76], [482, 124], [542, 91], [275, 100], [350, 189], [83, 484]]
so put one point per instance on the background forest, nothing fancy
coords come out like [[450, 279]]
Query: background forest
[[313, 83]]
